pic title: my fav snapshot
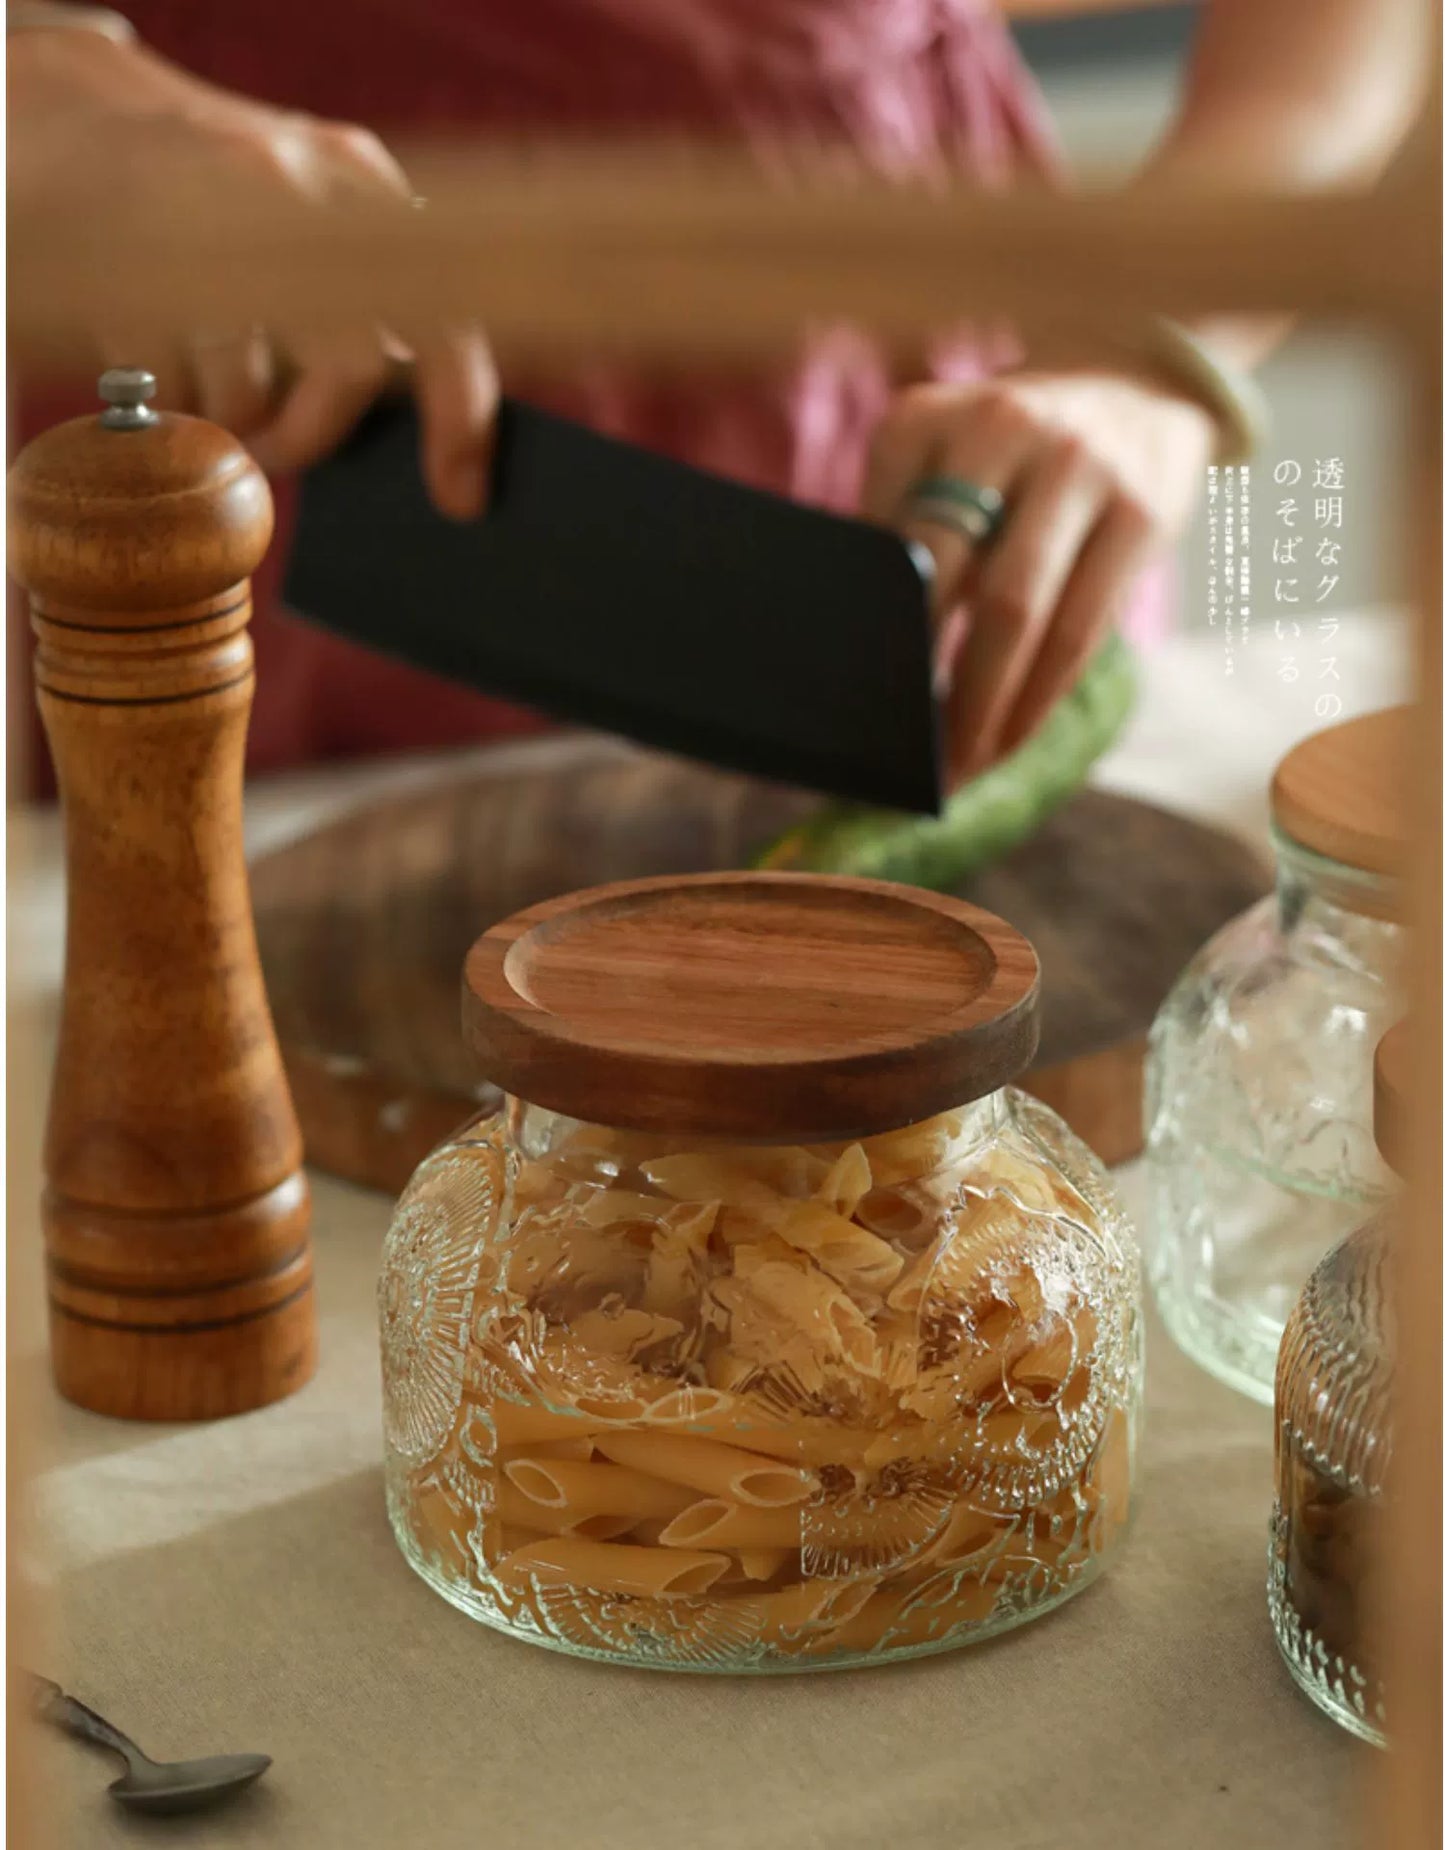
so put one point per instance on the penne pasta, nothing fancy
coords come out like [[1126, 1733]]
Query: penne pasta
[[808, 1443], [717, 1470], [861, 1630], [897, 1333], [763, 1563], [621, 1332], [908, 1293], [517, 1510], [511, 1537], [843, 1249], [594, 1489], [648, 1532], [537, 1185], [675, 1280], [896, 1217], [967, 1533], [707, 1178], [787, 1168], [445, 1525], [591, 1264], [588, 1167], [577, 1449], [753, 1256], [943, 1445], [812, 1606], [1033, 1187], [857, 1259], [613, 1404], [518, 1424], [768, 1356], [691, 1224], [1044, 1366], [1086, 1328], [813, 1307], [847, 1182], [603, 1528], [620, 1149], [950, 1391], [711, 1523], [689, 1406], [917, 1150], [601, 1387], [607, 1207], [737, 1229], [928, 1620], [1107, 1476], [729, 1373], [1006, 1426], [614, 1567]]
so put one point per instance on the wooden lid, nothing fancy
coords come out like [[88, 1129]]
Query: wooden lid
[[1341, 793], [751, 1005], [1392, 1087]]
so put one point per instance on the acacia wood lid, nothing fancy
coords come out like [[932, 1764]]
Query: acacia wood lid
[[1392, 1087], [1341, 792], [751, 1005]]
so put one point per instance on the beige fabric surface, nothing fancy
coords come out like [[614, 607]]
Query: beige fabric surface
[[235, 1586]]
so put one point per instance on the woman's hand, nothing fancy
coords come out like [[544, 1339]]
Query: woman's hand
[[93, 115], [1096, 470]]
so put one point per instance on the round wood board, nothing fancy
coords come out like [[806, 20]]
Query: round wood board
[[364, 926]]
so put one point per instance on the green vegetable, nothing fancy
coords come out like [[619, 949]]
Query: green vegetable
[[984, 818]]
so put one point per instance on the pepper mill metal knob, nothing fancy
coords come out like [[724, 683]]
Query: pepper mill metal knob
[[176, 1212], [127, 391]]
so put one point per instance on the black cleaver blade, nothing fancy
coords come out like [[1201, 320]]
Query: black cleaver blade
[[615, 589]]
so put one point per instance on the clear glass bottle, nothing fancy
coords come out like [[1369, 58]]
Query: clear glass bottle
[[1257, 1105], [764, 1399]]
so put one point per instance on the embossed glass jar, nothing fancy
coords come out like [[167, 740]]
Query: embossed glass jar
[[1259, 1147], [767, 1327], [1332, 1452], [1334, 1396]]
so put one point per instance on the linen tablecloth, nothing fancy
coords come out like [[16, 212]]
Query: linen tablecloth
[[235, 1586]]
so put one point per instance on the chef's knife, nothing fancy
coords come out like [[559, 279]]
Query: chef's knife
[[616, 589]]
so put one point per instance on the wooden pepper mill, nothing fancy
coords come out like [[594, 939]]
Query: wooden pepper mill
[[176, 1210]]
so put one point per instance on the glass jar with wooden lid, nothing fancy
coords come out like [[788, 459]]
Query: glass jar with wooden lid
[[1259, 1144], [766, 1327], [1333, 1441]]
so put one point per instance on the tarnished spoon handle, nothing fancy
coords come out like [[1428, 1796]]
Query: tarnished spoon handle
[[52, 1705]]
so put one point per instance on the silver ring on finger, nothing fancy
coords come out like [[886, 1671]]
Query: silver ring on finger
[[969, 508]]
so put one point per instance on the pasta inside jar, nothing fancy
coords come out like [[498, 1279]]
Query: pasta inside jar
[[762, 1406], [825, 1349]]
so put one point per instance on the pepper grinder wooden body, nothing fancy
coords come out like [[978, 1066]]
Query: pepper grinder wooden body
[[176, 1211]]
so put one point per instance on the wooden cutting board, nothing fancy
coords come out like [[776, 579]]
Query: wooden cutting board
[[364, 924]]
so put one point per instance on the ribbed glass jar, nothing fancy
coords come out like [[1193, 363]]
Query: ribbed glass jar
[[1332, 1458], [709, 1405], [1259, 1143]]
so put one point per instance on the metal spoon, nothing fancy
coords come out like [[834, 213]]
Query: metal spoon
[[148, 1785]]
